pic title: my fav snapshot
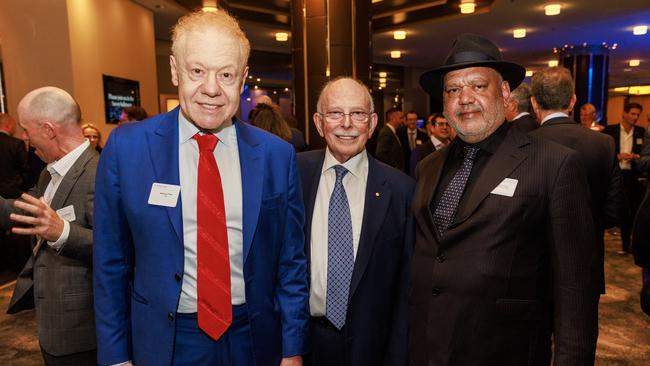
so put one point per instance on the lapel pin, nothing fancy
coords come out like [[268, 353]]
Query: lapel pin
[[377, 194]]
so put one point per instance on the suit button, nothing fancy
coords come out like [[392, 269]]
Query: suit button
[[435, 291], [178, 277], [170, 316], [441, 258]]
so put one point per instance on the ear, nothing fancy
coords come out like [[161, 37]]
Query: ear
[[49, 130], [372, 124], [533, 103], [173, 67], [572, 103], [318, 123], [505, 91], [243, 80]]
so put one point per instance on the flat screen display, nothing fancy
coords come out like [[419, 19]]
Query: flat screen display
[[119, 93]]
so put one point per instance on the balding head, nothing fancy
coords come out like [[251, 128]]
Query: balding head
[[7, 124], [50, 117]]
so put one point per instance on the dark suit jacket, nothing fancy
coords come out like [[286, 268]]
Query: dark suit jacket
[[641, 231], [389, 149], [420, 138], [420, 153], [59, 284], [508, 268], [596, 150], [376, 323], [526, 123], [14, 169]]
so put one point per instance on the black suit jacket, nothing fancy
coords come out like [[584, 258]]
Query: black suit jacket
[[376, 323], [389, 149], [526, 123], [14, 169], [508, 269], [596, 150], [420, 138]]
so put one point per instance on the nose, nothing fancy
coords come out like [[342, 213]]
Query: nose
[[466, 96], [347, 121], [211, 86]]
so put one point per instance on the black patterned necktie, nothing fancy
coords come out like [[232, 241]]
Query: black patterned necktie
[[444, 213]]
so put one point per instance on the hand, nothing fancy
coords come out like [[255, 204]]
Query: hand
[[625, 156], [43, 220], [292, 361]]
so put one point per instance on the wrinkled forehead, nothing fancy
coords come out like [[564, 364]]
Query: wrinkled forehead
[[209, 43], [471, 73], [346, 93]]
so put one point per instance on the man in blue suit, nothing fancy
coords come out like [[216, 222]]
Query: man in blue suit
[[181, 192], [359, 237]]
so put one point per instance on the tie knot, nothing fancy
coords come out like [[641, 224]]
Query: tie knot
[[340, 173], [470, 152], [206, 142]]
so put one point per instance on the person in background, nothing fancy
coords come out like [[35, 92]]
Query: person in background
[[269, 119], [58, 214], [439, 137], [518, 110], [92, 133], [199, 245], [14, 168], [641, 230], [410, 137], [588, 117], [628, 138], [133, 114], [359, 237], [389, 148]]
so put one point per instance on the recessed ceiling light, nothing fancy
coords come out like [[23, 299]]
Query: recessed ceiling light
[[209, 9], [529, 73], [635, 62], [552, 9], [281, 36], [553, 63], [383, 74], [382, 85], [382, 80], [258, 79], [519, 33], [614, 46], [395, 54], [286, 89], [640, 30], [275, 92], [400, 34], [248, 99], [467, 6], [255, 87]]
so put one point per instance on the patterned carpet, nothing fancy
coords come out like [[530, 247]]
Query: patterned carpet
[[624, 330]]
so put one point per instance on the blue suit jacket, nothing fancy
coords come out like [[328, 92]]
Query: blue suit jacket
[[138, 248], [376, 323]]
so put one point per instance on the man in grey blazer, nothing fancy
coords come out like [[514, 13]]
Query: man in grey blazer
[[58, 214]]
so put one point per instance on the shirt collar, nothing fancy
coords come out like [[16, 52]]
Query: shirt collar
[[354, 165], [521, 115], [63, 165], [491, 143], [437, 143], [554, 115], [186, 130]]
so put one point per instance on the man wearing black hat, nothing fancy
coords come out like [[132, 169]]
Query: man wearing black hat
[[505, 245]]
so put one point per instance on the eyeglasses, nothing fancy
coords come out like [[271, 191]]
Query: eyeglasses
[[441, 124], [337, 117]]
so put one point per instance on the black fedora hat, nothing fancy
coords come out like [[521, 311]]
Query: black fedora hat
[[471, 50]]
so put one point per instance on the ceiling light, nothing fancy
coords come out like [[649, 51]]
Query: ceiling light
[[552, 9], [621, 89], [286, 89], [275, 92], [382, 80], [382, 85], [248, 99], [250, 76], [376, 1], [399, 34], [640, 30], [281, 36], [380, 88], [395, 54], [209, 9], [635, 62], [529, 73], [256, 86], [467, 6], [383, 74], [553, 63], [519, 33], [639, 90], [258, 79]]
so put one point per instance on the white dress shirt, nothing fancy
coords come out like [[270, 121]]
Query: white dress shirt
[[226, 154], [553, 115], [437, 143], [354, 183], [58, 169], [520, 115], [626, 141]]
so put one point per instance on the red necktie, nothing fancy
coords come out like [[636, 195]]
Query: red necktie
[[213, 262]]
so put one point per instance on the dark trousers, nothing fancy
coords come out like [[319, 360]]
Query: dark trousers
[[88, 358], [193, 347], [633, 195], [328, 344]]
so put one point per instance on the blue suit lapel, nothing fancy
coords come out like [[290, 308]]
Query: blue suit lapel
[[251, 160], [378, 197], [163, 147]]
